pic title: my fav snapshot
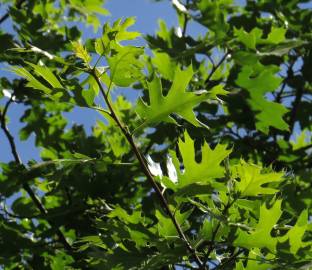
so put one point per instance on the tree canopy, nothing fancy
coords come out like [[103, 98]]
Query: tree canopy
[[209, 168]]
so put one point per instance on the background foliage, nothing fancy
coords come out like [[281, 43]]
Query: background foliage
[[209, 169]]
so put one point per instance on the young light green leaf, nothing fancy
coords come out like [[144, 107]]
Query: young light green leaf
[[301, 140], [95, 6], [252, 180], [81, 51]]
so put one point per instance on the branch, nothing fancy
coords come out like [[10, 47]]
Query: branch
[[293, 113], [146, 171], [289, 75], [7, 132], [26, 186], [185, 20], [215, 67], [280, 93]]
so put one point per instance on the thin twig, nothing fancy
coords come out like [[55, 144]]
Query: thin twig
[[289, 75], [293, 113], [185, 20], [229, 260], [211, 61], [146, 171], [215, 67], [280, 93]]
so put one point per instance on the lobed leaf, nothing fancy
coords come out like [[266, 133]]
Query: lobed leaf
[[252, 180], [177, 101], [261, 236]]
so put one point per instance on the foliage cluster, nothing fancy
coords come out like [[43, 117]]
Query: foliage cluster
[[210, 168]]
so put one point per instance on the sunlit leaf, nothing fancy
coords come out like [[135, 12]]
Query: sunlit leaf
[[251, 180], [177, 101], [261, 236]]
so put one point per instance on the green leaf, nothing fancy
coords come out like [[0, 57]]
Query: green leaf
[[24, 207], [261, 236], [204, 172], [60, 261], [252, 180], [95, 6], [213, 16], [248, 39], [121, 28], [254, 37], [164, 64], [88, 241], [301, 140], [177, 101], [113, 35], [89, 9], [92, 91], [166, 227], [126, 66], [216, 91], [206, 231], [281, 49], [114, 137], [258, 80], [81, 52], [46, 74], [32, 81], [295, 234], [277, 35], [193, 190], [255, 261], [122, 214]]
